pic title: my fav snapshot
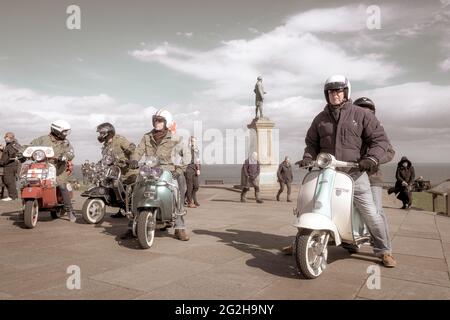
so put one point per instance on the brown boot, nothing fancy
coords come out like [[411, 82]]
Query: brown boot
[[388, 261], [181, 234], [192, 205], [288, 250]]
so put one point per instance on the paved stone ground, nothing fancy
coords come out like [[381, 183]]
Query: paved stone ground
[[233, 254]]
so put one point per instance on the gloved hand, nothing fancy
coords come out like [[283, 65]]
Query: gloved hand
[[305, 162], [368, 165], [404, 183], [134, 164], [69, 168]]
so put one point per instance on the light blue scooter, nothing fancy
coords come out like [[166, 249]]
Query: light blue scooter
[[325, 210]]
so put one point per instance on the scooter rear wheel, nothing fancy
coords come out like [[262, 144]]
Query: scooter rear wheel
[[146, 226], [311, 253], [94, 211], [31, 213]]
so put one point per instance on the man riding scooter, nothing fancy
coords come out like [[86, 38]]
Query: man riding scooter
[[57, 139], [343, 129], [122, 150], [163, 143]]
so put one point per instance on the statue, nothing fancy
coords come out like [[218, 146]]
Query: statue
[[259, 92]]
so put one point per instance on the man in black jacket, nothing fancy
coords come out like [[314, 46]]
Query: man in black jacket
[[10, 164], [285, 177]]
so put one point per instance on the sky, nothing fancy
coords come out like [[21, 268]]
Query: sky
[[200, 59]]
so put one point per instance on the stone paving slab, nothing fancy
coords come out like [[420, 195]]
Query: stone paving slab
[[234, 253], [393, 289]]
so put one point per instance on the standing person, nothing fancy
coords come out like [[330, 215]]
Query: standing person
[[163, 143], [343, 129], [285, 177], [192, 173], [85, 168], [122, 150], [259, 99], [405, 176], [10, 165], [375, 177], [249, 177], [64, 154], [2, 186]]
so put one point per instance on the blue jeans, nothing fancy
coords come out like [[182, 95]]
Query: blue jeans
[[378, 199], [364, 201]]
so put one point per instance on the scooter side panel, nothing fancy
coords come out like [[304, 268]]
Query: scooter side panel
[[341, 203], [305, 202], [49, 198], [165, 196]]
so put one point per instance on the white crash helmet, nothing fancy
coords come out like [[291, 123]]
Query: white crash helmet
[[61, 129], [166, 115], [337, 82]]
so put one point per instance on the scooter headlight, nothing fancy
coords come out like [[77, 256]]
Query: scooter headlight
[[324, 160], [148, 172], [108, 160], [39, 156]]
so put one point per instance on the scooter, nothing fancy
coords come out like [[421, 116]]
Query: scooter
[[155, 202], [107, 190], [38, 185], [325, 213]]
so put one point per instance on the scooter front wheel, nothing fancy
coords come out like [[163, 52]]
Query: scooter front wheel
[[31, 213], [94, 210], [311, 252], [146, 226]]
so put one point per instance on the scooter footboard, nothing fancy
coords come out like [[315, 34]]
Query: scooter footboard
[[315, 221]]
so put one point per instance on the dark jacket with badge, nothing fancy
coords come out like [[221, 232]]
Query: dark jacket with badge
[[9, 156], [344, 138]]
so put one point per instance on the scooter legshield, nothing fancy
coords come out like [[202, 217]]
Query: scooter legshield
[[31, 193], [314, 221], [151, 196]]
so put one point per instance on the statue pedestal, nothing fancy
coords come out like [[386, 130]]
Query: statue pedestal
[[264, 140]]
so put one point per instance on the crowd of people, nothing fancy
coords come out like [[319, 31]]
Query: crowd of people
[[348, 130]]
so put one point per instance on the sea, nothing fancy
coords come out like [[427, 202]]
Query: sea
[[231, 174]]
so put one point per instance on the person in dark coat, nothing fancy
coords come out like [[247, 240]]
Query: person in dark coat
[[10, 165], [192, 173], [405, 176], [285, 177], [249, 177]]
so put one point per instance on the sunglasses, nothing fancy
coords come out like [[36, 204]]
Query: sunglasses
[[335, 90]]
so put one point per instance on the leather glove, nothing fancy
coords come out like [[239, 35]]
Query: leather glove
[[305, 162], [368, 165], [134, 164]]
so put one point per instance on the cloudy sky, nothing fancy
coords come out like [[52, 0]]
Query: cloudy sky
[[200, 59]]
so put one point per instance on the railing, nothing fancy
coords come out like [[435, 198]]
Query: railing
[[435, 194]]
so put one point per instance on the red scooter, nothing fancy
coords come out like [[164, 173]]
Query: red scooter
[[38, 186]]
